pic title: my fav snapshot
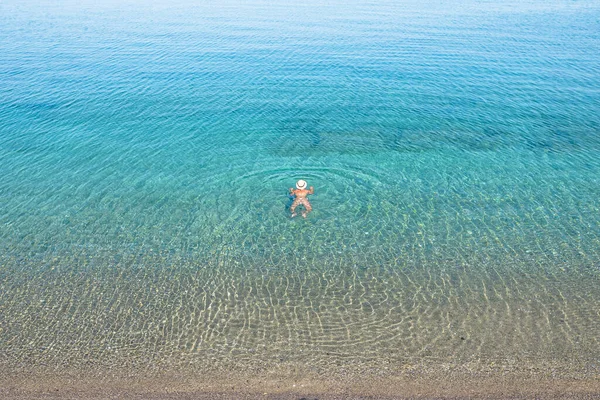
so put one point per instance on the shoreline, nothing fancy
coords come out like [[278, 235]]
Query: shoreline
[[272, 385]]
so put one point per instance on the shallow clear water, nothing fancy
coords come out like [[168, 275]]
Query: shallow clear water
[[147, 149]]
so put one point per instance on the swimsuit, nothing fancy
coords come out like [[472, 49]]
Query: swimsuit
[[300, 200]]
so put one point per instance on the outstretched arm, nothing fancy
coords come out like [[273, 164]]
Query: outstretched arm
[[311, 190]]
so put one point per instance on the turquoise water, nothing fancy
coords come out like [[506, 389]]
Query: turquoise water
[[147, 149]]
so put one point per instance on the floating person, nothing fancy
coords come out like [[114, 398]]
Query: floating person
[[301, 194]]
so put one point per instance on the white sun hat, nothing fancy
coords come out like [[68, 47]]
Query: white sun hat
[[301, 184]]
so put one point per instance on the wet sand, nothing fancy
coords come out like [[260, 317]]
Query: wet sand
[[416, 384]]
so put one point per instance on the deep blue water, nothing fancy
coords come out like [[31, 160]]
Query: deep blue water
[[146, 151]]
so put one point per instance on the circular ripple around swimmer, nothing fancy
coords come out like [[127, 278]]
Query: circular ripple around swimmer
[[240, 182], [275, 176]]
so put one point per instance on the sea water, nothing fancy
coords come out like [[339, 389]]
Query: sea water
[[147, 150]]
